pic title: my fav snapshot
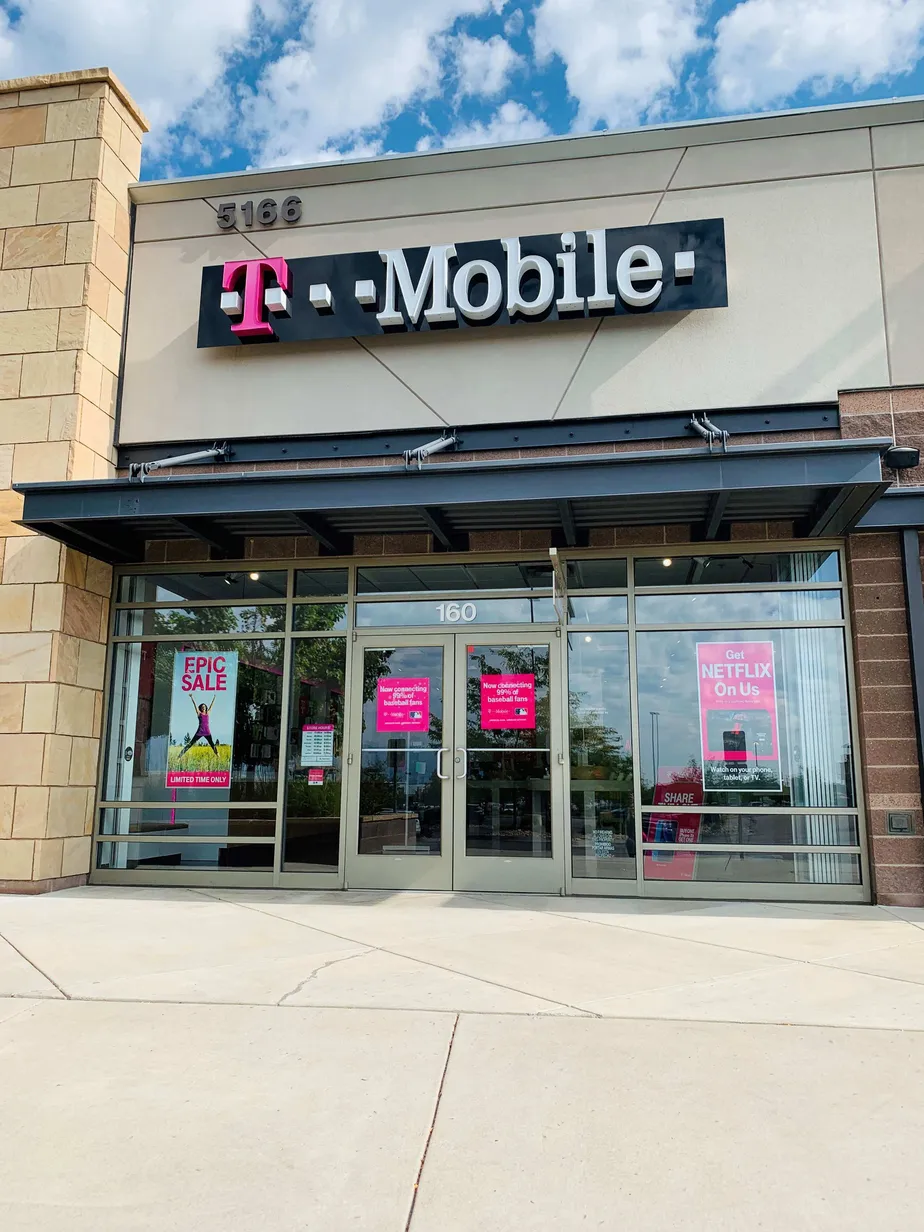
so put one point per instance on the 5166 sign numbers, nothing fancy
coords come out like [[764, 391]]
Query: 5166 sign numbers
[[264, 213]]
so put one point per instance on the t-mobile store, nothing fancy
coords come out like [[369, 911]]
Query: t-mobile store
[[520, 519]]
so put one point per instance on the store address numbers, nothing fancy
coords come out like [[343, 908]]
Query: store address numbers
[[266, 212], [453, 613]]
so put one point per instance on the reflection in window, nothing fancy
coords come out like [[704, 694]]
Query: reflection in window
[[602, 820], [811, 767], [596, 574], [508, 755], [179, 822], [751, 569], [456, 615], [176, 587], [311, 583], [598, 610], [759, 829], [145, 727], [785, 868], [748, 608], [148, 622], [315, 755], [190, 857], [400, 796], [319, 617], [454, 578]]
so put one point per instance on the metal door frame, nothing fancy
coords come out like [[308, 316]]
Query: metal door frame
[[397, 872], [510, 874], [452, 870]]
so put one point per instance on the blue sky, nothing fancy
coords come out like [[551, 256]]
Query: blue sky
[[229, 84]]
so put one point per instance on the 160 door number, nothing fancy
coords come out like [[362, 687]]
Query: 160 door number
[[452, 613], [265, 212]]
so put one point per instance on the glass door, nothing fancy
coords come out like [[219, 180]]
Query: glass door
[[398, 830], [507, 758], [455, 770]]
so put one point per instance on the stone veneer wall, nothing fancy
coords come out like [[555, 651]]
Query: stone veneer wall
[[70, 145]]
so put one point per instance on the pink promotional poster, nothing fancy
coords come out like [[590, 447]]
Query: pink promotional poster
[[508, 701], [676, 785], [738, 716], [402, 704], [200, 744]]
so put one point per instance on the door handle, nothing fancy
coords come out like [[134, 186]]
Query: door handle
[[463, 774], [439, 764]]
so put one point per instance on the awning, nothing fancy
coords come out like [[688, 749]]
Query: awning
[[824, 487], [899, 509]]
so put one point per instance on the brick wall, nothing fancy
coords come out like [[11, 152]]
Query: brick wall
[[69, 147], [888, 732]]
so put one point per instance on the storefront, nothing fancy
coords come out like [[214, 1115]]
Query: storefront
[[687, 724], [524, 564]]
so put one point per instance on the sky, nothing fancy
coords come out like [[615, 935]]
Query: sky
[[231, 84]]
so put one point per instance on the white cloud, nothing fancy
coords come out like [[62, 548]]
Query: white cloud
[[484, 66], [514, 23], [169, 53], [768, 49], [354, 66], [622, 59], [511, 122]]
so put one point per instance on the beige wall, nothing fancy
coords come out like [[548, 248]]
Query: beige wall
[[69, 147], [825, 268]]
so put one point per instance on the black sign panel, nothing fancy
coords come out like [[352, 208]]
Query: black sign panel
[[594, 274]]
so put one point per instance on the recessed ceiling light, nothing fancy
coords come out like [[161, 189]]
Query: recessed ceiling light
[[667, 562], [254, 577]]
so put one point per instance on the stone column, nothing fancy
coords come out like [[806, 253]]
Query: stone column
[[70, 145]]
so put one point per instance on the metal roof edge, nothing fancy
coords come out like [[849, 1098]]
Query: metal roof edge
[[648, 138]]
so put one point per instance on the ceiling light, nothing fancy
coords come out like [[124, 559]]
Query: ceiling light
[[254, 577], [667, 562]]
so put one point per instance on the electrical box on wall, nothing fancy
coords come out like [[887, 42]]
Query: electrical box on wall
[[901, 823]]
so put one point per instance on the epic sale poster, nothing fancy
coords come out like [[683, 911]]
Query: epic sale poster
[[202, 705], [738, 716]]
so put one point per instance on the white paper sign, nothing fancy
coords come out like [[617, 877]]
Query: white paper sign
[[318, 744]]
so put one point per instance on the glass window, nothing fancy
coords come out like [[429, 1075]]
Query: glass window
[[785, 868], [753, 569], [311, 583], [315, 757], [319, 617], [454, 578], [752, 717], [744, 606], [596, 574], [190, 857], [599, 610], [147, 622], [456, 614], [180, 822], [195, 721], [759, 829], [602, 816], [177, 587]]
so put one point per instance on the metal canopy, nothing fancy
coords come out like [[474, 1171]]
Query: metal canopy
[[825, 487], [900, 509]]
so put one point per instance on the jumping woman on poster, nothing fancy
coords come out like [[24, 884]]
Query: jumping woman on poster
[[203, 731]]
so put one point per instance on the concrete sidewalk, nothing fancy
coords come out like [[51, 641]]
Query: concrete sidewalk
[[214, 1060]]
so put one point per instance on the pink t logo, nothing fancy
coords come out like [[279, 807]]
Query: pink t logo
[[256, 296]]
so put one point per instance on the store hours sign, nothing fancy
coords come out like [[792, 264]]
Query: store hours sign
[[667, 267]]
